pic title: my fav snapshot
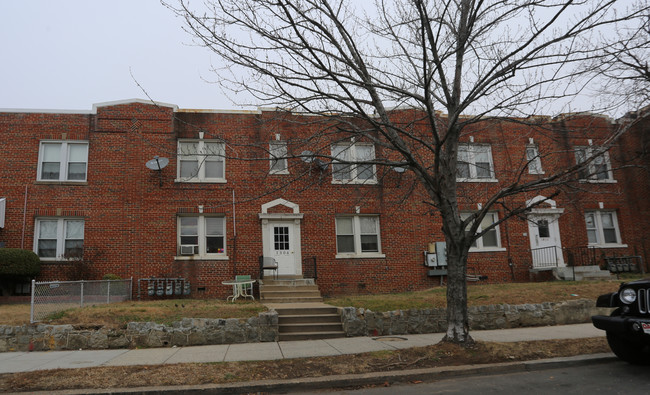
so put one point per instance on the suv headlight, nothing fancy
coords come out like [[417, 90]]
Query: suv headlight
[[627, 295]]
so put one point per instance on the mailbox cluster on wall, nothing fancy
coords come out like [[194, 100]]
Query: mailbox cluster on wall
[[164, 287]]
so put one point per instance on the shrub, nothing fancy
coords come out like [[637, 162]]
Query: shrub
[[111, 276], [17, 263]]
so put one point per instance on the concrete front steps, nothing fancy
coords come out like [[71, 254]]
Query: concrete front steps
[[579, 273], [308, 321], [289, 290], [302, 315]]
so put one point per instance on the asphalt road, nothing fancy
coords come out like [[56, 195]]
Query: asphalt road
[[607, 378]]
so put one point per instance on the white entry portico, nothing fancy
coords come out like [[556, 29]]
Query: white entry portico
[[281, 236], [544, 233]]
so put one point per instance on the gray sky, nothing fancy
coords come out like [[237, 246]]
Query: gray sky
[[70, 54]]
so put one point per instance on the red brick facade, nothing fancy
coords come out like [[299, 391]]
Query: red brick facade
[[131, 214]]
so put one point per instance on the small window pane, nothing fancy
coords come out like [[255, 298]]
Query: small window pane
[[214, 245], [77, 171], [47, 248], [52, 152], [345, 243], [591, 236], [47, 229], [189, 226], [369, 243], [610, 236], [543, 229], [483, 170], [74, 248], [368, 225], [214, 226], [607, 220], [74, 230], [214, 149], [50, 170], [462, 170], [77, 152], [213, 169], [188, 148], [490, 239], [189, 168], [344, 226]]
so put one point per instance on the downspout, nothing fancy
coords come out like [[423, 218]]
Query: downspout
[[234, 232], [22, 241]]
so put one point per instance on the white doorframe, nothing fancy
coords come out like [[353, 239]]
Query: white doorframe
[[292, 220], [549, 214]]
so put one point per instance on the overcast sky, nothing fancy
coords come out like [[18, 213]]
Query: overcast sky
[[70, 54]]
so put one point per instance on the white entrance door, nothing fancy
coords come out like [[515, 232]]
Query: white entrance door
[[284, 247], [545, 242]]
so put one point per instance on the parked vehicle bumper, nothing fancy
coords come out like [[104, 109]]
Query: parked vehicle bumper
[[630, 325]]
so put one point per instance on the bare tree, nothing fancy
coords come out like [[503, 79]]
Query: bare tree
[[468, 59]]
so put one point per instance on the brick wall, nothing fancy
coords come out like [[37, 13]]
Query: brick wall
[[131, 219]]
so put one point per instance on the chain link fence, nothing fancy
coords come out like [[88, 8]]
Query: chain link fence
[[54, 296]]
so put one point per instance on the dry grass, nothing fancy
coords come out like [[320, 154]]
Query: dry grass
[[168, 311], [442, 354], [117, 315], [484, 294]]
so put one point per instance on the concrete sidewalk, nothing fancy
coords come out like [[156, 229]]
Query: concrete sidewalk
[[12, 362]]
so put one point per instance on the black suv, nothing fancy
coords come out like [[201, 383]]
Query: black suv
[[628, 327]]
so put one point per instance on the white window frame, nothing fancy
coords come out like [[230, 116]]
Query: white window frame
[[356, 234], [278, 162], [472, 151], [533, 159], [583, 153], [64, 160], [201, 246], [61, 236], [201, 158], [598, 229], [478, 245], [351, 155]]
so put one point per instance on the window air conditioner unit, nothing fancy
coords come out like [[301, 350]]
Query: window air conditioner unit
[[188, 249]]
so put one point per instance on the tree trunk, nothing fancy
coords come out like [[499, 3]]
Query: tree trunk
[[457, 317]]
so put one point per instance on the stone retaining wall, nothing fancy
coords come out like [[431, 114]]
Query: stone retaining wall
[[187, 332], [363, 322], [264, 327]]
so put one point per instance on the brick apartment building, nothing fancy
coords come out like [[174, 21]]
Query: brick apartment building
[[75, 188]]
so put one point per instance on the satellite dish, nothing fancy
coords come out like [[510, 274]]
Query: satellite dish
[[307, 156], [320, 163], [157, 163]]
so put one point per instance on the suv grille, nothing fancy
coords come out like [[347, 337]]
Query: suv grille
[[643, 297]]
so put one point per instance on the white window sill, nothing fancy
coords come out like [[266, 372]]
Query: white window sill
[[201, 258], [197, 181], [355, 182], [612, 245], [477, 180], [598, 181], [537, 173], [279, 172], [487, 249], [365, 255], [62, 182]]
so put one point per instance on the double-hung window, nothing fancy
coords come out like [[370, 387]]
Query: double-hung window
[[201, 161], [348, 166], [491, 240], [203, 236], [474, 163], [602, 228], [63, 161], [59, 238], [358, 236], [278, 155], [598, 170], [533, 159]]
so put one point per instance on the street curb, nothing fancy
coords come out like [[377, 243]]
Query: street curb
[[353, 380]]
